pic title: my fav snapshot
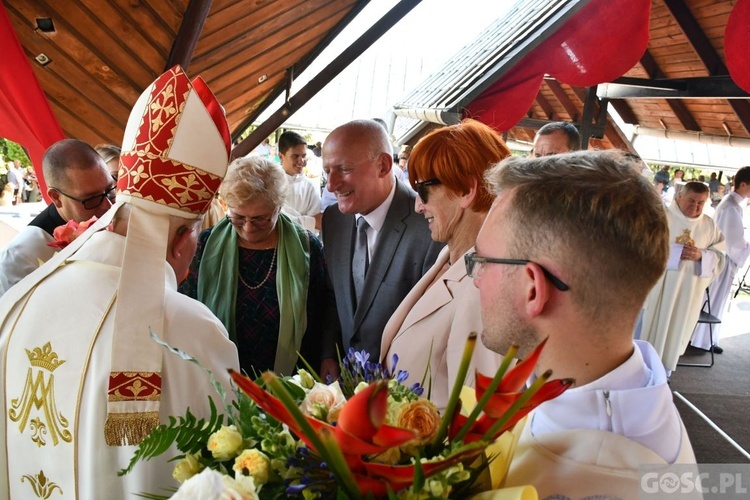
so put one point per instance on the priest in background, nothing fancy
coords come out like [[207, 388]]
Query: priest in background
[[696, 257], [729, 219]]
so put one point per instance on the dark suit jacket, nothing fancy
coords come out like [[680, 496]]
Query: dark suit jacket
[[404, 252]]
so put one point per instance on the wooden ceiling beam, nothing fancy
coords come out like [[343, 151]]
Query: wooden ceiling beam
[[625, 111], [189, 33], [703, 87], [707, 54], [565, 101], [696, 37], [545, 105], [324, 77], [678, 107]]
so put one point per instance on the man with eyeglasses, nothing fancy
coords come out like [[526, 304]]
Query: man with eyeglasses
[[395, 238], [80, 188], [570, 249]]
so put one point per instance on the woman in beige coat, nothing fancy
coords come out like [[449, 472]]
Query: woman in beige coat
[[428, 331]]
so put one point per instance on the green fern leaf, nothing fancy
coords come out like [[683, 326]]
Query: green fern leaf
[[190, 434]]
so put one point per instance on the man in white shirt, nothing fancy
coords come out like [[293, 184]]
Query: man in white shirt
[[301, 195], [79, 186], [539, 278], [729, 220]]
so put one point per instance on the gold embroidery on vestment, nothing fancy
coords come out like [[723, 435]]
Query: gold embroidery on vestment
[[42, 486], [685, 239], [39, 393]]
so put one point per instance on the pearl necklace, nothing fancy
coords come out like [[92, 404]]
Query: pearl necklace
[[268, 274]]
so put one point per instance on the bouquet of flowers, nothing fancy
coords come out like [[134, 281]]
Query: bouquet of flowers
[[365, 435]]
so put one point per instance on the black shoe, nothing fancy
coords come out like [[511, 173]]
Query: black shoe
[[718, 349]]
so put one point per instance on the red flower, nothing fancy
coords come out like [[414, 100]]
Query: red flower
[[65, 234], [360, 431], [510, 389]]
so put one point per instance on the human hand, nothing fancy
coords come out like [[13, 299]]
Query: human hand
[[329, 366], [690, 252]]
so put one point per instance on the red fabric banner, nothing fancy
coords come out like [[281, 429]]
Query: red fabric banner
[[736, 40], [25, 115], [598, 44]]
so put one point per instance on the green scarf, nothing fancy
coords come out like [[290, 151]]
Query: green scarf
[[217, 284]]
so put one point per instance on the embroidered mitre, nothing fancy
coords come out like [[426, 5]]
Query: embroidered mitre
[[175, 153]]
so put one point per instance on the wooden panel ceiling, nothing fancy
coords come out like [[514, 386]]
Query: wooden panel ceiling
[[686, 41], [104, 53]]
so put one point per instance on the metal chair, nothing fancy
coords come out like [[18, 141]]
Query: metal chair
[[710, 320]]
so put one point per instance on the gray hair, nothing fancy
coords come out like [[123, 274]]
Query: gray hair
[[254, 178]]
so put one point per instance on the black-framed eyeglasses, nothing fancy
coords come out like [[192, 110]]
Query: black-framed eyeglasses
[[258, 221], [95, 201], [421, 188], [474, 262]]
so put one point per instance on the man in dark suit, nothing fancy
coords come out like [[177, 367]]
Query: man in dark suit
[[400, 249]]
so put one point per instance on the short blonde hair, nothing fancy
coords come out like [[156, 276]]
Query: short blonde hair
[[254, 178], [593, 214]]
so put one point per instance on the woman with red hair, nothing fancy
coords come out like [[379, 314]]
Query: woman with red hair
[[429, 329]]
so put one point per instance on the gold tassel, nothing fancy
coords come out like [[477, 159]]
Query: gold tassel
[[124, 429]]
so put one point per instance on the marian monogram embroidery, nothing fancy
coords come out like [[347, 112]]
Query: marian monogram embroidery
[[39, 396]]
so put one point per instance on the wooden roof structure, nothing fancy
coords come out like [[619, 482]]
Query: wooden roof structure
[[680, 87], [100, 55]]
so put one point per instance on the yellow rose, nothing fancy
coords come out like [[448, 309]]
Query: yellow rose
[[420, 416], [186, 468], [254, 463], [225, 443]]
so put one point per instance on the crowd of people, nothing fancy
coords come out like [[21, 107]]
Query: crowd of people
[[416, 251], [20, 184]]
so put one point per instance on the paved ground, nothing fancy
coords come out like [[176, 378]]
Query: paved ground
[[737, 318]]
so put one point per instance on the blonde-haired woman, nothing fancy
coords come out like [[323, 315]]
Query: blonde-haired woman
[[264, 275]]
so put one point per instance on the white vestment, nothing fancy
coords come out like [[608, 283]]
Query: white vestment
[[23, 255], [590, 441], [428, 331], [728, 217], [304, 198], [672, 307], [56, 358]]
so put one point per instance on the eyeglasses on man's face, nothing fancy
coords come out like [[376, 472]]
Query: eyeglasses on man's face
[[92, 202], [258, 221], [475, 262], [421, 188]]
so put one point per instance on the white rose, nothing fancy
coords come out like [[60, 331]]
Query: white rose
[[324, 402], [212, 485]]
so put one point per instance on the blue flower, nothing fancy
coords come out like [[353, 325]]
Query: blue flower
[[362, 357]]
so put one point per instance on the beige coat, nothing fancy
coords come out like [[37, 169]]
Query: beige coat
[[428, 331]]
